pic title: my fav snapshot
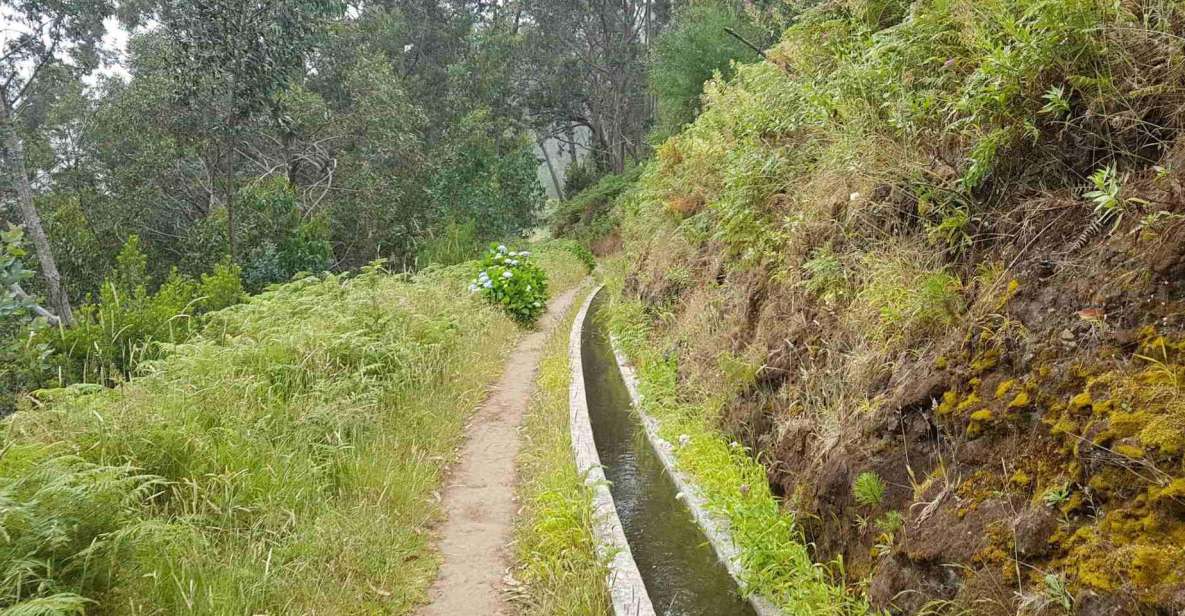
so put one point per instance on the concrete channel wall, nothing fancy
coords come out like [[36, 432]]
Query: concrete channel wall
[[715, 528], [625, 582]]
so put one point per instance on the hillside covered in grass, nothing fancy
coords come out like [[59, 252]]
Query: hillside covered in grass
[[283, 460], [926, 262]]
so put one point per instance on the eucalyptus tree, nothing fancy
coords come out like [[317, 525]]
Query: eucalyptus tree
[[230, 60], [42, 37], [585, 65]]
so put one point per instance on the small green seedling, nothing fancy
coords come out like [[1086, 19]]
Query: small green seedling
[[868, 489]]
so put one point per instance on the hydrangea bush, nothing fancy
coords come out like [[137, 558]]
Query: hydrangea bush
[[511, 280]]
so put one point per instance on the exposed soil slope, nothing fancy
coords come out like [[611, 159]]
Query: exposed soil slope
[[928, 263]]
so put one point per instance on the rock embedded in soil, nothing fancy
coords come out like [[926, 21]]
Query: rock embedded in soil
[[1033, 529]]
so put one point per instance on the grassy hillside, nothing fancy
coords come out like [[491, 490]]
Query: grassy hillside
[[926, 262], [283, 461]]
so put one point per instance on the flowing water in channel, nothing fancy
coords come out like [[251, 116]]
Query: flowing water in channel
[[679, 567]]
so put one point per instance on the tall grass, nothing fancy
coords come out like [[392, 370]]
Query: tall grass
[[555, 551], [282, 461]]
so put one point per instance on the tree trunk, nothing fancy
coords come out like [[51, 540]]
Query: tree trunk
[[555, 179], [15, 159]]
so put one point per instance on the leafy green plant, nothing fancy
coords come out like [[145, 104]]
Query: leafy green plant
[[1056, 102], [1056, 496], [511, 280], [1057, 591], [868, 489], [12, 272], [890, 522], [1105, 196], [827, 278], [23, 360]]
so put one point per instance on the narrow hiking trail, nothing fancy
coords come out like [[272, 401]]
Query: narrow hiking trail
[[479, 497]]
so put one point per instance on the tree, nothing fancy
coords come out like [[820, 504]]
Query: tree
[[705, 37], [585, 65], [232, 58], [46, 35]]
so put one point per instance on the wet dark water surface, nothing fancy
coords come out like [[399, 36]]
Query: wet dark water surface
[[678, 565]]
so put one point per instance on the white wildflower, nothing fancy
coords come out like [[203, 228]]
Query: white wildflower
[[507, 274], [684, 440], [502, 248]]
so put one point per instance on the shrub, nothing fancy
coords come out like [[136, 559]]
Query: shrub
[[690, 53], [22, 361], [511, 280], [588, 215], [278, 241], [579, 176], [121, 329], [456, 243], [222, 287]]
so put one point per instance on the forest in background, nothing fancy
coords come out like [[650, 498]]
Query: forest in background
[[240, 143]]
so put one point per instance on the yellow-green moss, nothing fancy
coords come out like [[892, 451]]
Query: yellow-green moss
[[1130, 451], [949, 400], [985, 361], [1004, 387], [971, 401], [1080, 401]]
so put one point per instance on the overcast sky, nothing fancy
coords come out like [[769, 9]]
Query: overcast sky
[[115, 41]]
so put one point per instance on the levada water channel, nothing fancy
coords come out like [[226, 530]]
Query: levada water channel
[[679, 567]]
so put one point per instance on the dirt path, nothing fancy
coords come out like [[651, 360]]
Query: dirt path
[[479, 499]]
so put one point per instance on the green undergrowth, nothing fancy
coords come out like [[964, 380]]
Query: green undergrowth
[[588, 215], [775, 559], [283, 460], [555, 549]]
